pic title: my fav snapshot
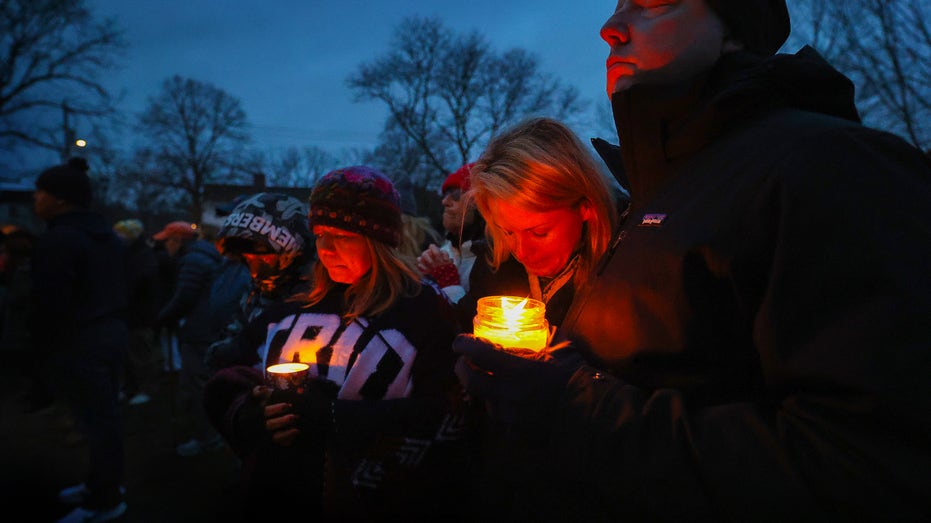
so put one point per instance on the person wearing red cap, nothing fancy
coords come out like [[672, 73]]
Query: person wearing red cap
[[199, 264], [754, 347], [449, 264]]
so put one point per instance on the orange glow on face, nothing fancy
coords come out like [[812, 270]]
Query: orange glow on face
[[345, 254], [543, 242]]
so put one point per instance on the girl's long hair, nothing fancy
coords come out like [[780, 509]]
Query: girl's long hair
[[416, 232], [391, 277]]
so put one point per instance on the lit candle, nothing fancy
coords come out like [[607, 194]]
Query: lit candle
[[512, 322], [287, 376]]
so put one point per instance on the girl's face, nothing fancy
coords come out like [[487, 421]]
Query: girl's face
[[344, 254], [265, 269], [542, 241]]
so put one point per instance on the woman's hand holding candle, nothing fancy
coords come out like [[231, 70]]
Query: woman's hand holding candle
[[308, 414], [518, 391], [512, 322]]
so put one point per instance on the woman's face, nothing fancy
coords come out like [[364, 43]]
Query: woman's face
[[344, 254], [542, 241]]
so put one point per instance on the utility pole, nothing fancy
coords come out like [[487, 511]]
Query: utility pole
[[67, 131]]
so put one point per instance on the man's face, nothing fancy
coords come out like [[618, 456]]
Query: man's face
[[456, 212], [660, 42], [45, 205], [173, 245]]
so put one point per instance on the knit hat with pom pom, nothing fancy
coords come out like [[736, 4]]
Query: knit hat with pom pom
[[68, 181], [358, 199]]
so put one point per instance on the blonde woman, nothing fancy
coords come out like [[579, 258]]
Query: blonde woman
[[550, 214]]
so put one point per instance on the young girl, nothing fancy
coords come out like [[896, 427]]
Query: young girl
[[380, 411]]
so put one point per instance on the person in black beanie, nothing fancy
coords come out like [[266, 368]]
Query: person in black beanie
[[80, 328], [68, 183], [756, 343]]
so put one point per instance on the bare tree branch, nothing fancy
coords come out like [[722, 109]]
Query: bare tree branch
[[447, 94], [197, 132], [52, 55], [884, 46]]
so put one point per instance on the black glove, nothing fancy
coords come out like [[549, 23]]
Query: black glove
[[519, 391], [249, 424], [313, 406]]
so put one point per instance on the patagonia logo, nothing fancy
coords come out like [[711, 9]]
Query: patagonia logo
[[652, 220]]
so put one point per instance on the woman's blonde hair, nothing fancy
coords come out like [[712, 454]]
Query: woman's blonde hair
[[415, 232], [391, 277], [540, 164]]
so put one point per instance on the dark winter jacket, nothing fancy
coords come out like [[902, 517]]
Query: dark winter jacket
[[79, 288], [191, 300], [142, 284], [765, 316], [396, 442], [234, 347]]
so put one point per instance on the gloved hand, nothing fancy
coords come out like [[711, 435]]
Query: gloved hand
[[436, 264], [300, 418], [519, 391], [249, 423], [445, 275]]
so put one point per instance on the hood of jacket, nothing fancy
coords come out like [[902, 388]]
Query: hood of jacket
[[660, 125]]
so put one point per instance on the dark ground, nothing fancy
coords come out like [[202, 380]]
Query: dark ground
[[41, 453]]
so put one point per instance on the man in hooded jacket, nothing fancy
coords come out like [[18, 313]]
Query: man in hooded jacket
[[758, 345]]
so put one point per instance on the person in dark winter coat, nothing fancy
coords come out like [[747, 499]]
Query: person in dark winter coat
[[269, 232], [143, 362], [79, 326], [190, 308], [758, 339], [378, 432]]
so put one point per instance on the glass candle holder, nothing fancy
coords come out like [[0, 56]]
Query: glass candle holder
[[512, 322]]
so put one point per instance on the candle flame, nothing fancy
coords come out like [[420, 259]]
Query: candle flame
[[287, 368], [512, 314]]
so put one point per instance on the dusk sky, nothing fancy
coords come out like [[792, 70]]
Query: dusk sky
[[287, 60]]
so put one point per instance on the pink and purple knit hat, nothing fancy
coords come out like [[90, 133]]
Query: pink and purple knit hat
[[358, 199]]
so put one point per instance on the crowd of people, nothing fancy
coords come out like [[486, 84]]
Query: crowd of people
[[737, 299]]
